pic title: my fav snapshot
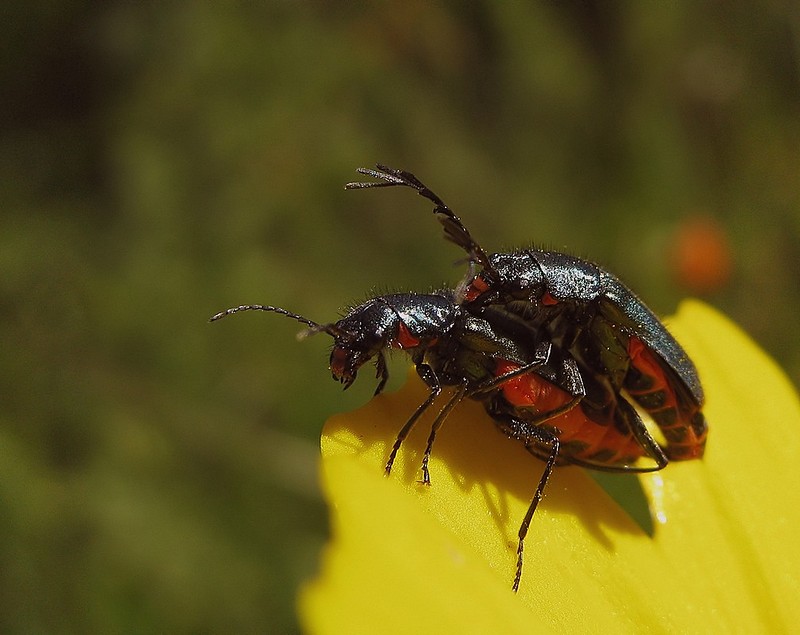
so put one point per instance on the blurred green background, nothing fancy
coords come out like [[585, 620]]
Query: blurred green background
[[162, 161]]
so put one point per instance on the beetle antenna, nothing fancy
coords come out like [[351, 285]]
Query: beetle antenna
[[454, 229], [314, 327]]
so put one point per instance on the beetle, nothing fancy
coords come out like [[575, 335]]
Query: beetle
[[530, 390], [589, 314]]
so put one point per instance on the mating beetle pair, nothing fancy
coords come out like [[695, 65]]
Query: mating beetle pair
[[552, 345]]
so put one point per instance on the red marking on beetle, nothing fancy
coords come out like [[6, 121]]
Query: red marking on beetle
[[647, 364], [548, 299], [534, 391], [530, 389], [650, 365], [339, 358], [404, 338], [476, 288]]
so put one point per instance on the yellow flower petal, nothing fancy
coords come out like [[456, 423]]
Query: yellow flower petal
[[724, 555]]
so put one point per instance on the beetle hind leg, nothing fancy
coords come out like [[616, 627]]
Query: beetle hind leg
[[530, 434]]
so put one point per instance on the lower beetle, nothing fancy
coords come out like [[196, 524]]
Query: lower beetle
[[588, 314], [532, 393]]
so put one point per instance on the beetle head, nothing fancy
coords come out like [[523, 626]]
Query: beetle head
[[360, 336]]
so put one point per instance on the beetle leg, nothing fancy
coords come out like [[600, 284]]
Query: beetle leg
[[381, 373], [640, 434], [454, 229], [541, 356], [432, 381], [570, 380], [526, 432], [458, 395], [646, 440]]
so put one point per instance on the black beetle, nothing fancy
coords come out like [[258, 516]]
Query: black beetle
[[550, 344]]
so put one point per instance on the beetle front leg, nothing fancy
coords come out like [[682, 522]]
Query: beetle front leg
[[381, 373], [432, 381], [437, 423]]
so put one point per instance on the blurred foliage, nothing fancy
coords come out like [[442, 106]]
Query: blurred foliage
[[159, 162]]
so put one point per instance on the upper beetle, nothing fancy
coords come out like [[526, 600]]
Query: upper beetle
[[586, 312]]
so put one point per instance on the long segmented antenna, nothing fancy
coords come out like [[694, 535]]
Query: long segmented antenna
[[454, 229], [314, 327]]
